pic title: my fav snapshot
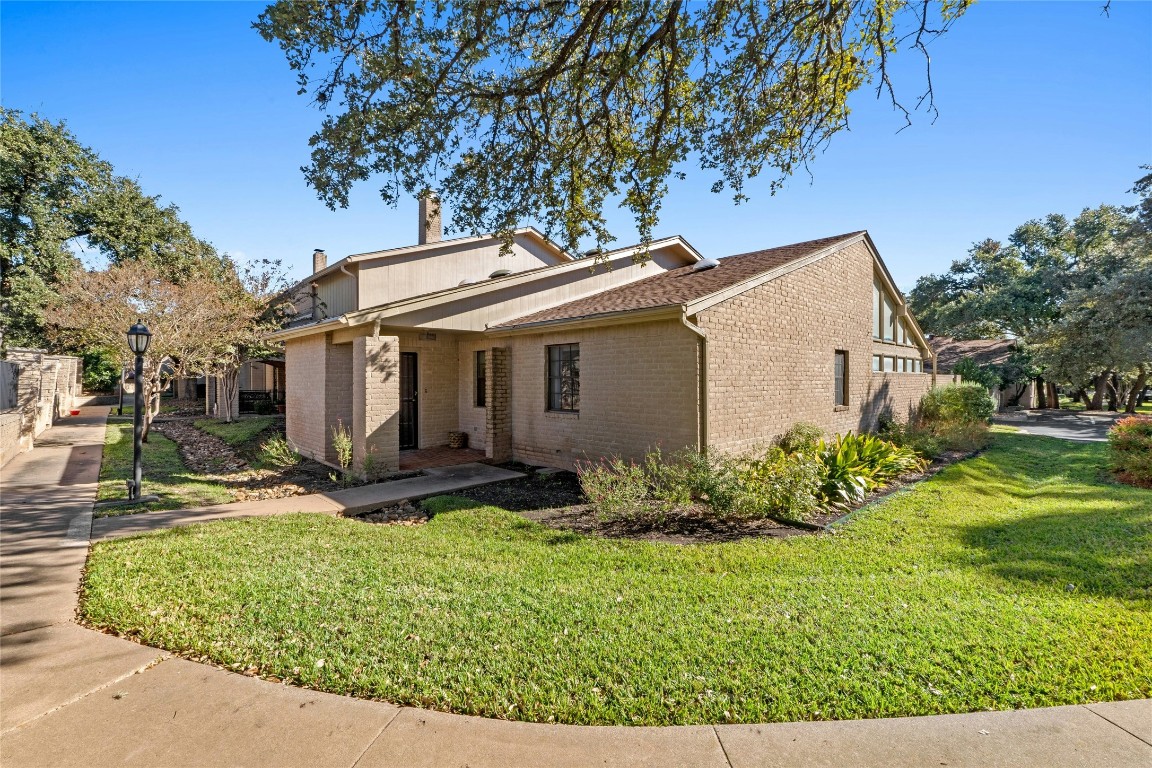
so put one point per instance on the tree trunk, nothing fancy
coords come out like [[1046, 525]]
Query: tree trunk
[[1082, 396], [1113, 391], [1053, 396], [1041, 393], [1135, 394], [1101, 384]]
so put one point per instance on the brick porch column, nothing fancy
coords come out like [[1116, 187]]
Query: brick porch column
[[498, 396], [376, 403]]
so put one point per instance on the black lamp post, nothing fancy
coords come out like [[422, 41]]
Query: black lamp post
[[138, 338]]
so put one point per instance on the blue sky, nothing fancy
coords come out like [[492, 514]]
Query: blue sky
[[1044, 107]]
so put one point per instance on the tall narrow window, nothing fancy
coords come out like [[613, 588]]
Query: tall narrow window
[[564, 377], [877, 312], [841, 374], [480, 376]]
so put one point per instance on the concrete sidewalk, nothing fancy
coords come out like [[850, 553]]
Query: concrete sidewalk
[[71, 696], [350, 501]]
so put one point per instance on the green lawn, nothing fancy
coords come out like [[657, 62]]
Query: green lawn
[[236, 433], [164, 474], [1019, 578], [1069, 404]]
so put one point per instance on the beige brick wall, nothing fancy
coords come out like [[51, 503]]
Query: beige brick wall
[[318, 394], [471, 418], [437, 376], [304, 361], [376, 404], [771, 355], [638, 388]]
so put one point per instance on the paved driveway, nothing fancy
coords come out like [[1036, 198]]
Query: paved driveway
[[1082, 426]]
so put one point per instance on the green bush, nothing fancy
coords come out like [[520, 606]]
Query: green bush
[[964, 403], [754, 485], [855, 465], [913, 435], [617, 489], [1130, 444], [278, 452], [802, 437], [775, 484], [957, 415], [101, 370]]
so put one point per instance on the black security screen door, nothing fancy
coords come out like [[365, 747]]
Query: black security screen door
[[409, 387]]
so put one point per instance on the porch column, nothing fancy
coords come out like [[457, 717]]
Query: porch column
[[375, 404], [497, 394]]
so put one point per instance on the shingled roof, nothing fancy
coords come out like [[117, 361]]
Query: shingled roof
[[679, 286], [950, 351]]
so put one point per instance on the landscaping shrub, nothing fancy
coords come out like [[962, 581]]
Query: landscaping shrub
[[752, 485], [278, 452], [1130, 445], [342, 445], [914, 435], [802, 437], [855, 465], [616, 488], [965, 403], [775, 484], [958, 415]]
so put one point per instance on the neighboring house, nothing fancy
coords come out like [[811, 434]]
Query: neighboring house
[[948, 352], [548, 360]]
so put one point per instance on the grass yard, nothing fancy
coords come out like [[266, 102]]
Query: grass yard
[[1019, 578], [164, 474], [237, 433]]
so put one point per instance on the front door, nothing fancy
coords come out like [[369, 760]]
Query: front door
[[409, 413]]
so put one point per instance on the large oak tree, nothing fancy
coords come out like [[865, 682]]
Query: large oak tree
[[546, 111]]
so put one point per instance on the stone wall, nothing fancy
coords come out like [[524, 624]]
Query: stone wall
[[39, 389], [376, 405]]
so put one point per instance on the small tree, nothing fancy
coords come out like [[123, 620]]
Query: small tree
[[188, 320]]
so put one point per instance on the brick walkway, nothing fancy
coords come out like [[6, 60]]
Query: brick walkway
[[441, 456]]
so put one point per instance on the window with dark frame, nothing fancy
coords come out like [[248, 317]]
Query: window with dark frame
[[480, 376], [841, 377], [564, 377]]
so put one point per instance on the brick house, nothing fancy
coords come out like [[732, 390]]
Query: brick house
[[545, 359]]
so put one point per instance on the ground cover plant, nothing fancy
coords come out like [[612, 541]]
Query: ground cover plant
[[165, 474], [1018, 578], [1130, 443]]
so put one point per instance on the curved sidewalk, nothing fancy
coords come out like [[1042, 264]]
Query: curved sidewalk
[[71, 696]]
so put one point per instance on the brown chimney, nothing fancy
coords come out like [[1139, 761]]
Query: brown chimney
[[430, 224], [319, 260]]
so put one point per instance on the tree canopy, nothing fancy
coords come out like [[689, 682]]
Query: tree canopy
[[57, 199], [546, 111], [1077, 292]]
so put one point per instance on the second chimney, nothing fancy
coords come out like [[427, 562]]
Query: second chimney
[[431, 230], [319, 260]]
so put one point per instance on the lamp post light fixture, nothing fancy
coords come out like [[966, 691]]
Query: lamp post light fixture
[[138, 338]]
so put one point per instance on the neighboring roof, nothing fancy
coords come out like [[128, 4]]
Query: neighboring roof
[[950, 351], [684, 285]]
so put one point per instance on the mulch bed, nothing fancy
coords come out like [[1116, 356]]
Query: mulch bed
[[556, 500]]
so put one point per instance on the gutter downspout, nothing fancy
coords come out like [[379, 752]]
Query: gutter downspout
[[703, 346]]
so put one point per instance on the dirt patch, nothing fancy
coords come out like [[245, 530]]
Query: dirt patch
[[401, 513]]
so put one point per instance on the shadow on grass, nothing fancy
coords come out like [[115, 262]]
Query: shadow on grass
[[1097, 539]]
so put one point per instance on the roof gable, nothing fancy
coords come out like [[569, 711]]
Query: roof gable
[[685, 285]]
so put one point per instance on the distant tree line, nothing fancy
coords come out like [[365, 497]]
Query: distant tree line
[[1077, 294]]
